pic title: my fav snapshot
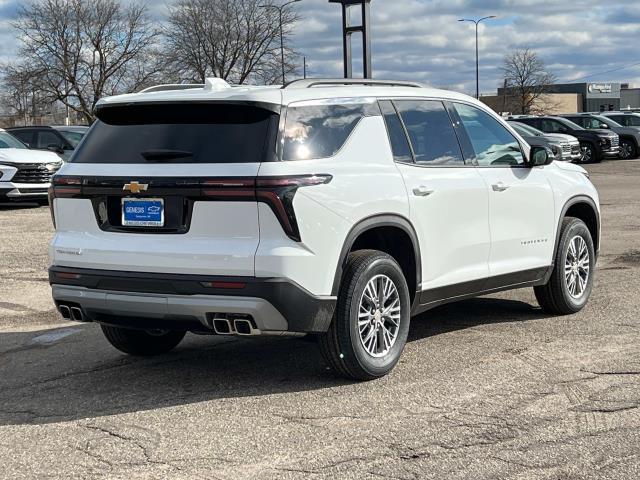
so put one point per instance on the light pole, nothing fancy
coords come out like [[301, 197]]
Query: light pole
[[477, 22], [280, 10]]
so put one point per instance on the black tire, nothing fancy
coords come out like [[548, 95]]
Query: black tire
[[341, 345], [555, 297], [628, 149], [589, 153], [142, 342]]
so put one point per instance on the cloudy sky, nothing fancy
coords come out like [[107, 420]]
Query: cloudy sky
[[581, 40]]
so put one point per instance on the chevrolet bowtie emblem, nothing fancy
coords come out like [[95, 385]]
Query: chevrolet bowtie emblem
[[135, 187]]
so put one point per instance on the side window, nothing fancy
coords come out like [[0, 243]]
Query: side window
[[25, 136], [621, 120], [317, 130], [493, 144], [582, 121], [552, 126], [430, 131], [46, 138], [397, 136]]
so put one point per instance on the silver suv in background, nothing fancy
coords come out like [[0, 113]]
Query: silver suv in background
[[61, 140], [565, 148], [629, 136]]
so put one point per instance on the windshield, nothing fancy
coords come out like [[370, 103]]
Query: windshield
[[180, 133], [609, 121], [570, 124], [523, 129], [630, 120], [72, 137], [9, 141]]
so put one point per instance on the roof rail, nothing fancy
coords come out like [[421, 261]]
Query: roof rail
[[175, 86], [314, 82]]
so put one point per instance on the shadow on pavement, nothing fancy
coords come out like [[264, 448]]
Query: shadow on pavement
[[81, 376], [22, 205]]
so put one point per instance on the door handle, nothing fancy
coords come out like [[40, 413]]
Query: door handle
[[499, 187], [422, 191]]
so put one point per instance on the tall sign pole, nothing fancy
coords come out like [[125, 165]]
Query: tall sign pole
[[348, 30]]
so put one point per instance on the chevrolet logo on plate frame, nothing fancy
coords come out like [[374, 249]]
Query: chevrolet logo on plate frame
[[135, 187]]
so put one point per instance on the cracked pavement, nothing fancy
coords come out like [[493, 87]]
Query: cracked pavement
[[487, 388]]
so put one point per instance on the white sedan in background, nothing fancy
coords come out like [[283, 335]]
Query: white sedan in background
[[25, 174]]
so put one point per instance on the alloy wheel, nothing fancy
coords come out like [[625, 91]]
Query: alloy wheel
[[576, 267], [626, 150], [587, 154], [379, 316]]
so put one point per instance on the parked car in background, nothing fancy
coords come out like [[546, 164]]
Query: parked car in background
[[25, 174], [58, 139], [595, 144], [564, 147], [629, 136], [626, 119]]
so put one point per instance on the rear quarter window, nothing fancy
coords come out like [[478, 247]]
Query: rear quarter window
[[316, 129]]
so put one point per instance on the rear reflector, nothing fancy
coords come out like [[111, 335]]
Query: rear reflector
[[70, 276], [224, 285]]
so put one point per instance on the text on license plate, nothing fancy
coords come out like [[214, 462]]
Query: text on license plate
[[142, 212]]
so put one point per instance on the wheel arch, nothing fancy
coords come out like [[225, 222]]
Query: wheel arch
[[624, 136], [584, 208], [368, 230]]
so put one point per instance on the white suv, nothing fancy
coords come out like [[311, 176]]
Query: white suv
[[330, 207]]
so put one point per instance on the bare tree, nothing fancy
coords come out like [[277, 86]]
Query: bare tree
[[527, 79], [81, 50], [237, 40]]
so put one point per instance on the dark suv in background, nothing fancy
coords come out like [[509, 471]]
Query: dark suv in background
[[61, 140], [595, 144], [629, 136]]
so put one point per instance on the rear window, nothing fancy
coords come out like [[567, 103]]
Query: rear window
[[181, 133]]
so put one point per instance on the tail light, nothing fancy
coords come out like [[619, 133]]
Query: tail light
[[278, 193], [63, 187]]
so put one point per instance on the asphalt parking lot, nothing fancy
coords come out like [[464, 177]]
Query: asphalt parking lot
[[487, 388]]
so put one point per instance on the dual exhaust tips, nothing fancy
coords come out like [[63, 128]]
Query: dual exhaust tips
[[70, 312], [234, 326]]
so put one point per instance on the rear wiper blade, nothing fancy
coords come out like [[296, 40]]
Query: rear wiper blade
[[159, 155]]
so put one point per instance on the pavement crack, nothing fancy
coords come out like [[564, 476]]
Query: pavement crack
[[612, 372]]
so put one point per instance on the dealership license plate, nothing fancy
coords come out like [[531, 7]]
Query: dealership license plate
[[142, 212]]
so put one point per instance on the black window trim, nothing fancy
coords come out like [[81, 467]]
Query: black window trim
[[443, 101], [404, 129]]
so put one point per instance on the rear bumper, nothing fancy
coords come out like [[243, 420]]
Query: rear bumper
[[172, 301]]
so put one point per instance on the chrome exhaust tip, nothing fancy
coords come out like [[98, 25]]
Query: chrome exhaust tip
[[222, 326], [76, 314], [64, 311], [244, 327]]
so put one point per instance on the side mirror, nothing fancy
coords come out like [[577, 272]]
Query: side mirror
[[540, 156], [55, 148], [605, 126]]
